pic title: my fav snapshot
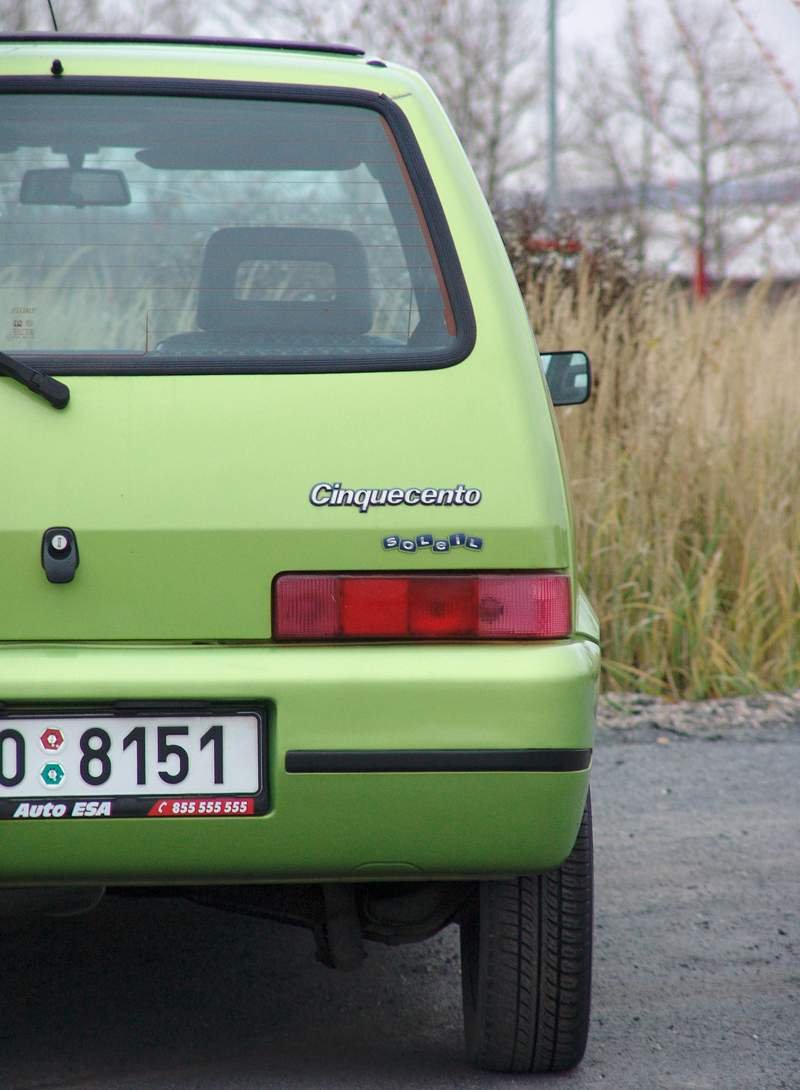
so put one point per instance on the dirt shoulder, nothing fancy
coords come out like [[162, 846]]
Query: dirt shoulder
[[631, 717]]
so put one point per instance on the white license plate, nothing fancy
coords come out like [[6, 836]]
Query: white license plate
[[141, 765]]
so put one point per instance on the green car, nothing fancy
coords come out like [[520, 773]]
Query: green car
[[290, 619]]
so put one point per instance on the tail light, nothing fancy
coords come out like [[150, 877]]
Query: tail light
[[452, 606]]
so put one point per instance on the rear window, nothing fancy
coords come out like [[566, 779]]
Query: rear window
[[158, 232]]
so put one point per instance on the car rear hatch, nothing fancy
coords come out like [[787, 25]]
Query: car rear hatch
[[274, 360]]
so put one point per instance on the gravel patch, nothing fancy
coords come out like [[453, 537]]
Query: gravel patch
[[766, 717]]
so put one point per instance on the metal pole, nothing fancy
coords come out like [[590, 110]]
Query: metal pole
[[552, 114]]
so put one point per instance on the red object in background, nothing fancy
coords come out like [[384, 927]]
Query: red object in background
[[700, 282], [557, 245]]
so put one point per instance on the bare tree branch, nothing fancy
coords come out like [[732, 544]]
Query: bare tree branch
[[482, 57], [693, 110]]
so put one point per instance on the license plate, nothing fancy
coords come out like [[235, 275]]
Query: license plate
[[137, 765]]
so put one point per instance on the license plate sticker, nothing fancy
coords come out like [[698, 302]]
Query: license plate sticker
[[139, 765]]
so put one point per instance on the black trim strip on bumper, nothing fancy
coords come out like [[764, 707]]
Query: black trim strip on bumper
[[438, 760]]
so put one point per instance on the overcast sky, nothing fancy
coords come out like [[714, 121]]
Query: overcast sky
[[595, 21]]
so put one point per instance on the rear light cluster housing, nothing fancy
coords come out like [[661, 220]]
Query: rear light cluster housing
[[315, 606]]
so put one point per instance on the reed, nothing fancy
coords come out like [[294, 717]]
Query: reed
[[685, 471]]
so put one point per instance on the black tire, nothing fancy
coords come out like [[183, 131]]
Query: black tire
[[526, 966]]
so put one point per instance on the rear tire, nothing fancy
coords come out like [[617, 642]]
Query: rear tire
[[526, 966]]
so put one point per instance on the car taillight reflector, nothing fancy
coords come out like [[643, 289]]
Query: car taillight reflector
[[452, 606]]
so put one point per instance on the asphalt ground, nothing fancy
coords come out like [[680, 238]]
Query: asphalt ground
[[697, 970]]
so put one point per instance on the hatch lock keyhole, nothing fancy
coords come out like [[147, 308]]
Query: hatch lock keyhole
[[60, 557]]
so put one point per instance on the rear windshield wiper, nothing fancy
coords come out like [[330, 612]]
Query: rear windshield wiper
[[50, 388]]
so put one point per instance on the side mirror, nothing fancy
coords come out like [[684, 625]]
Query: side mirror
[[569, 376]]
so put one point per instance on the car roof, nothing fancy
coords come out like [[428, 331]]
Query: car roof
[[209, 58], [167, 39]]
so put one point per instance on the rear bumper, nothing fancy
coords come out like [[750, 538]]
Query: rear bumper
[[382, 761]]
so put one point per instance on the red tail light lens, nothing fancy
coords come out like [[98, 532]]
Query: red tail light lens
[[501, 606]]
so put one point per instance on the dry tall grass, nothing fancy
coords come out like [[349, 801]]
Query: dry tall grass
[[685, 470]]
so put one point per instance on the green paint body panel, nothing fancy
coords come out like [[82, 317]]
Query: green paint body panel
[[322, 825], [188, 495]]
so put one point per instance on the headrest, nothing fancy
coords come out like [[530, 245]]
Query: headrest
[[343, 305]]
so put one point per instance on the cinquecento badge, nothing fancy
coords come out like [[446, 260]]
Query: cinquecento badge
[[325, 494]]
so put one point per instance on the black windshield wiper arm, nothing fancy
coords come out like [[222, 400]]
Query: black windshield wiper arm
[[50, 388]]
